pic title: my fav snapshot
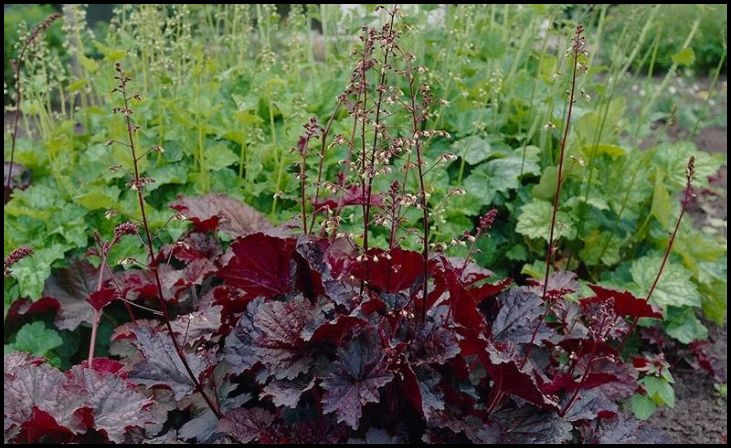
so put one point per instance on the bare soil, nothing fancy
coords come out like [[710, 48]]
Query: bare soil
[[700, 415]]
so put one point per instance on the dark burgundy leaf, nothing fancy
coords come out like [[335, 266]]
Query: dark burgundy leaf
[[421, 388], [504, 366], [530, 425], [30, 384], [519, 316], [138, 284], [624, 429], [106, 365], [355, 379], [704, 359], [115, 404], [623, 382], [319, 254], [23, 308], [377, 436], [489, 290], [482, 433], [196, 271], [200, 325], [625, 303], [433, 344], [161, 365], [79, 400], [233, 302], [334, 331], [567, 382], [287, 393], [126, 331], [196, 246], [262, 265], [588, 405], [102, 297], [272, 333], [250, 425], [71, 286], [449, 287], [201, 427], [42, 427], [390, 271], [316, 432], [584, 347], [560, 283], [204, 426], [223, 212]]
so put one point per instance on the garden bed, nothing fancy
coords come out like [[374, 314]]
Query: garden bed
[[234, 223]]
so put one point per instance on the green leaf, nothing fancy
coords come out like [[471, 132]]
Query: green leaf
[[89, 65], [715, 301], [473, 149], [99, 197], [36, 339], [517, 253], [115, 55], [32, 272], [594, 126], [219, 156], [659, 390], [642, 406], [683, 325], [673, 159], [686, 57], [703, 254], [601, 244], [536, 270], [546, 188], [610, 150], [662, 205], [498, 175], [76, 85], [674, 287], [535, 222], [171, 173]]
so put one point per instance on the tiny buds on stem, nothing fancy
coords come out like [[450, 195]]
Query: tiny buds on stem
[[690, 171], [126, 228], [14, 257], [487, 220]]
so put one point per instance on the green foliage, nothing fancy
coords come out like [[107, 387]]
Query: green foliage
[[36, 339], [29, 16], [672, 25]]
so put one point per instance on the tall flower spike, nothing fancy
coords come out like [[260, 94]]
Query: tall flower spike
[[18, 65]]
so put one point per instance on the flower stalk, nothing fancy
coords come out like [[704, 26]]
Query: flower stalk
[[138, 182]]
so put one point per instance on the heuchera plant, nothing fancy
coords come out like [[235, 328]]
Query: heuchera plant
[[292, 335]]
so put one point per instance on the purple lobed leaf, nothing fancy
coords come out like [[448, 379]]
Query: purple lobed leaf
[[355, 379]]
